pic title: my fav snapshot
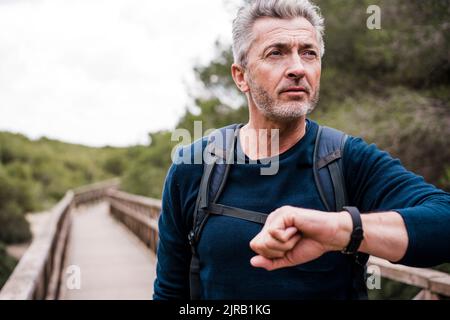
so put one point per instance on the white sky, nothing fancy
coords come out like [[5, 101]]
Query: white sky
[[102, 72]]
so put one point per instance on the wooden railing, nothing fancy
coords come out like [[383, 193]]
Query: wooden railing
[[38, 273], [139, 214], [94, 192], [434, 284]]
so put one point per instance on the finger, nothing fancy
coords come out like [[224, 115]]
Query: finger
[[275, 244], [265, 245], [292, 242], [270, 253], [283, 235], [270, 264]]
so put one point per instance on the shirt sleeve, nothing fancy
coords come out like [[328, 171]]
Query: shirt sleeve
[[377, 182], [174, 253]]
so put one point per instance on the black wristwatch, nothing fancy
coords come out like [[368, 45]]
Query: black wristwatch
[[357, 235]]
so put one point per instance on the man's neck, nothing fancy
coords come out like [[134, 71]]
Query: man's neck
[[261, 137]]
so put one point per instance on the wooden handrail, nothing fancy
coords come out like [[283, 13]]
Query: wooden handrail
[[113, 183], [32, 277], [140, 214], [95, 192], [149, 205], [433, 283]]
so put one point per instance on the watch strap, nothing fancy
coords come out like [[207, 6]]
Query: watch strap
[[357, 234]]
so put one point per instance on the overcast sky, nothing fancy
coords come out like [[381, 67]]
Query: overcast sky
[[102, 72]]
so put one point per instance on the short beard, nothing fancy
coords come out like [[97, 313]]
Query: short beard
[[284, 111]]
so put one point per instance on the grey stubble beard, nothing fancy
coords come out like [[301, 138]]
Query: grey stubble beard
[[284, 111]]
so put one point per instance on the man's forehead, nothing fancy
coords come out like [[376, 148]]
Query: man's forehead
[[269, 29]]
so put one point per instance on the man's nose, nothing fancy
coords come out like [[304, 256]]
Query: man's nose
[[296, 69]]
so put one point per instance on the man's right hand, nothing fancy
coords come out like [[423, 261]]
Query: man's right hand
[[293, 236]]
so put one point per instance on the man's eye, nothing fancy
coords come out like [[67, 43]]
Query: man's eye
[[310, 54], [275, 53]]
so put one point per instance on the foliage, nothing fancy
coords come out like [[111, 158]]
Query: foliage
[[7, 265], [15, 194], [147, 169], [36, 174], [399, 121]]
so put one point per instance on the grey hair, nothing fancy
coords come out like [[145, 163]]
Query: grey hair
[[283, 9]]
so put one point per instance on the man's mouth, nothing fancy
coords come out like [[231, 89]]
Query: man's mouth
[[295, 90]]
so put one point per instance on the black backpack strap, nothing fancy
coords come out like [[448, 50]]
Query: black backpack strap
[[327, 168], [248, 215], [328, 174], [218, 158]]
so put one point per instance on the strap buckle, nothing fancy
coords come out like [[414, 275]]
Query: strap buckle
[[192, 241], [191, 238]]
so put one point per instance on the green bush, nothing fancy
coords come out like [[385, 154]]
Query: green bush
[[7, 265], [16, 196], [14, 227]]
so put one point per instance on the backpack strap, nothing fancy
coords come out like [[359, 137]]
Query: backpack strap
[[248, 215], [327, 168], [219, 153], [328, 174]]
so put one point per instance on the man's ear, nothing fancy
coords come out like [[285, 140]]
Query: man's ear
[[238, 74]]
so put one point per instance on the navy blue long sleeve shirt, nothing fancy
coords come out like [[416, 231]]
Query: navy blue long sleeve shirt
[[375, 182]]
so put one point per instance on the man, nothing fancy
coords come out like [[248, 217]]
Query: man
[[277, 48]]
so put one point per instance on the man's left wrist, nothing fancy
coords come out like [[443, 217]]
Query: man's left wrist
[[357, 233], [343, 232]]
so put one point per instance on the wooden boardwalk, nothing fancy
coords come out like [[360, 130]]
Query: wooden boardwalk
[[113, 262]]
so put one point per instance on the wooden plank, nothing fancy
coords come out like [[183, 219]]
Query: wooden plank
[[113, 262], [95, 191], [143, 219], [146, 228], [107, 184], [58, 259], [132, 198], [441, 285], [432, 280]]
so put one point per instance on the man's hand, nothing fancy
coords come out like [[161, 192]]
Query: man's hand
[[293, 236]]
